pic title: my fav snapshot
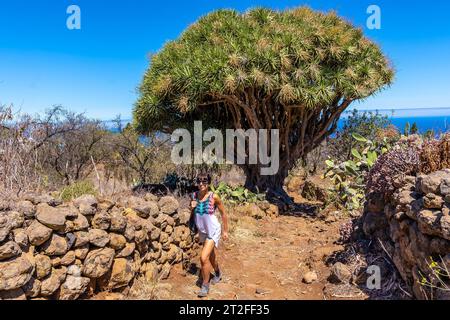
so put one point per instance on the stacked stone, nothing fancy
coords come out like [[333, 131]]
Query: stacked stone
[[416, 221], [55, 250]]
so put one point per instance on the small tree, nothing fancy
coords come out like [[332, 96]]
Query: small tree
[[144, 155], [414, 129], [294, 70], [407, 129]]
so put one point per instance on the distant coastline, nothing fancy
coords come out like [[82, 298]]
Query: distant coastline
[[437, 119]]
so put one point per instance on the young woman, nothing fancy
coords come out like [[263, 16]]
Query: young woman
[[203, 206]]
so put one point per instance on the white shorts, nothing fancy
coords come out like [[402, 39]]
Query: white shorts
[[216, 237]]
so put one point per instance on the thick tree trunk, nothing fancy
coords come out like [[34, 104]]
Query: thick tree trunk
[[271, 185]]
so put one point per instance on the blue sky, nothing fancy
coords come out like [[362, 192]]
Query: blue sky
[[98, 68]]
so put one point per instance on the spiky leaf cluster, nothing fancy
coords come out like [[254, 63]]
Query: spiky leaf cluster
[[296, 57]]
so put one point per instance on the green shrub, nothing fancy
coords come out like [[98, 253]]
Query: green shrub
[[371, 125], [349, 177], [236, 194], [76, 190]]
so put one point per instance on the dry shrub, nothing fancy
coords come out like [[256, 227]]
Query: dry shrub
[[46, 151], [435, 155], [19, 162], [391, 133], [399, 161]]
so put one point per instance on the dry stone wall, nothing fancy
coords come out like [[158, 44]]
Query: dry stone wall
[[55, 250], [415, 226]]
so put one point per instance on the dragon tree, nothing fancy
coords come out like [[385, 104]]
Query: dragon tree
[[295, 70]]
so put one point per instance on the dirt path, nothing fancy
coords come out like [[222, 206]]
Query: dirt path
[[267, 259]]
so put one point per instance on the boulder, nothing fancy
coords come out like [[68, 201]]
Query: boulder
[[146, 209], [101, 220], [42, 198], [32, 288], [27, 208], [56, 261], [69, 211], [68, 258], [445, 227], [428, 221], [140, 236], [444, 187], [183, 216], [314, 190], [310, 277], [105, 205], [413, 209], [55, 246], [180, 233], [432, 201], [16, 219], [99, 238], [8, 250], [14, 294], [252, 210], [38, 233], [129, 232], [154, 234], [82, 252], [98, 262], [81, 239], [168, 205], [87, 204], [5, 226], [172, 253], [150, 271], [51, 217], [117, 241], [295, 183], [165, 271], [123, 271], [403, 198], [43, 266], [170, 221], [138, 205], [21, 238], [80, 223], [127, 250], [168, 230], [118, 222], [340, 273], [14, 273], [150, 197], [73, 287], [74, 270], [52, 282], [431, 183]]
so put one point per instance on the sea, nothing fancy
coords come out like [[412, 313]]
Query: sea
[[436, 119]]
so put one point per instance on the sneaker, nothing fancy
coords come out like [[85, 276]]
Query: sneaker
[[204, 291], [217, 278]]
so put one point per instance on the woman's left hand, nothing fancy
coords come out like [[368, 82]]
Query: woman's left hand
[[225, 236]]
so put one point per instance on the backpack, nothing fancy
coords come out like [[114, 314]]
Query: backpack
[[192, 224]]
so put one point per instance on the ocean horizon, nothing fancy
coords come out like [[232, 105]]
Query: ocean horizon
[[436, 119]]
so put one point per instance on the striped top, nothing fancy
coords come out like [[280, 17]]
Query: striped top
[[205, 219]]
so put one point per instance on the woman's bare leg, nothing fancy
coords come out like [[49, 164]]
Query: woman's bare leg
[[213, 260], [208, 249]]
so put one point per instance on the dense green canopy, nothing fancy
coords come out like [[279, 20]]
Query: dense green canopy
[[294, 70], [300, 57]]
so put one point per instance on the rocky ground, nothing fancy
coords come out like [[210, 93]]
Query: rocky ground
[[295, 257], [288, 257]]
